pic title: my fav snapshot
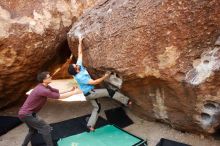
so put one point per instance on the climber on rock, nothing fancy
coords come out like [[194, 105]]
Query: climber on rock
[[87, 85]]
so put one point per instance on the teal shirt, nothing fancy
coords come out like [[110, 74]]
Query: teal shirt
[[83, 78]]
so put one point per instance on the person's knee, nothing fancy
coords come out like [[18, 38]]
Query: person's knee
[[97, 108], [46, 130]]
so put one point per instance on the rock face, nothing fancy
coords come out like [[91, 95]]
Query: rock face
[[32, 38], [167, 53]]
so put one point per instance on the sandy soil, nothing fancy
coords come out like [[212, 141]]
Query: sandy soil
[[55, 111]]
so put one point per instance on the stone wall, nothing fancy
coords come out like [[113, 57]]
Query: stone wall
[[32, 39], [166, 52]]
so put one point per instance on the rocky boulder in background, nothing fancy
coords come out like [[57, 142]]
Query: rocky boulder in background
[[166, 52], [32, 39]]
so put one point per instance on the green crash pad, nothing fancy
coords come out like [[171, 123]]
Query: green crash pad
[[108, 135]]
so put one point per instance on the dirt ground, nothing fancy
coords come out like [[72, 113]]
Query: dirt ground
[[56, 111]]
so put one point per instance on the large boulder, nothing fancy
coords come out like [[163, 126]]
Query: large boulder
[[167, 53], [33, 38]]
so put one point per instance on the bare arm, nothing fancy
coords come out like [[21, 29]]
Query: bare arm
[[68, 94], [68, 90], [80, 48], [99, 80]]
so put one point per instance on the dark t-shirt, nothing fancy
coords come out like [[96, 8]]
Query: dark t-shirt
[[37, 98]]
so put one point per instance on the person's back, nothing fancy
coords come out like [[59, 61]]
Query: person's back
[[82, 78], [37, 98]]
